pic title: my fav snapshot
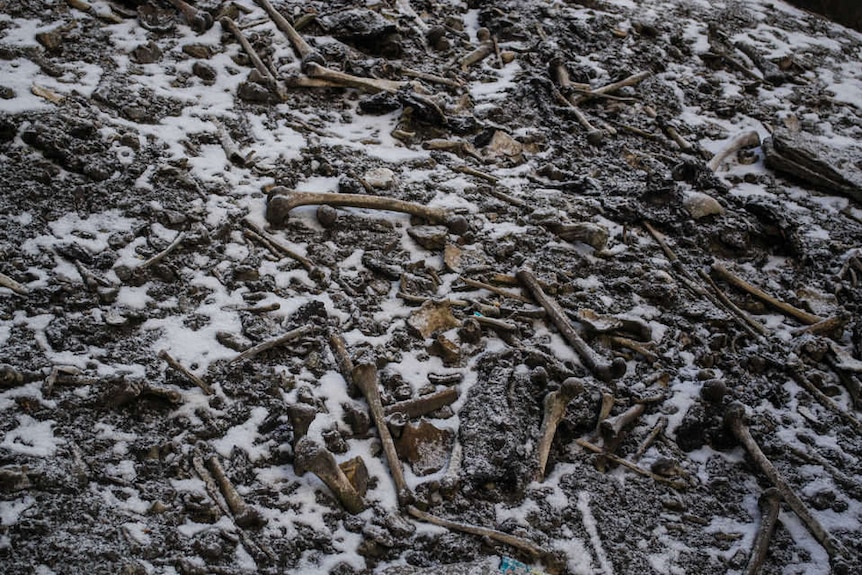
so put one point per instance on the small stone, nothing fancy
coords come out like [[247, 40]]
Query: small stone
[[380, 178], [429, 237], [204, 71], [6, 93], [202, 51], [700, 205], [713, 391], [147, 53], [327, 216], [433, 316], [51, 40], [594, 235]]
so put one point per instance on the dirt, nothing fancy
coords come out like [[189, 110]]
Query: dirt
[[106, 448]]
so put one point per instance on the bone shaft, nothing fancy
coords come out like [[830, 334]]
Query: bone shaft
[[761, 543], [743, 140], [372, 85], [296, 40], [553, 415], [786, 308], [424, 404], [165, 252], [297, 199], [289, 336], [252, 54], [613, 87], [234, 501], [186, 372]]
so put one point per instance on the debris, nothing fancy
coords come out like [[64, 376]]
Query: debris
[[309, 456], [432, 317]]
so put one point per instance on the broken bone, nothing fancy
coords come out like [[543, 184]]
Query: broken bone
[[198, 20], [561, 76], [555, 408], [604, 370], [365, 378], [740, 142], [271, 82], [283, 200], [306, 53], [373, 85], [244, 515], [734, 419], [770, 502], [309, 456]]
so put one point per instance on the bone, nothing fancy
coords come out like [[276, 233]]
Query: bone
[[561, 76], [485, 49], [283, 200], [740, 142], [494, 289], [802, 316], [734, 419], [301, 417], [650, 439], [275, 246], [365, 378], [372, 85], [424, 404], [605, 408], [275, 342], [198, 20], [244, 515], [9, 283], [272, 83], [612, 87], [604, 370], [309, 456], [306, 53], [511, 540], [555, 408], [770, 502], [676, 483], [163, 354], [164, 253], [87, 8], [170, 395], [672, 133], [612, 428]]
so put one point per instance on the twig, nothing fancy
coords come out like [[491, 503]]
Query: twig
[[164, 253]]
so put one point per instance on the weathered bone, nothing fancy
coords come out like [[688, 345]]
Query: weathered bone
[[9, 283], [244, 515], [603, 369], [423, 404], [301, 417], [186, 372], [283, 200], [613, 427], [87, 8], [274, 245], [365, 378], [610, 88], [275, 342], [262, 69], [306, 53], [740, 142], [199, 20], [485, 49], [561, 76], [676, 482], [734, 419], [555, 408], [373, 85], [309, 456], [770, 502], [164, 253]]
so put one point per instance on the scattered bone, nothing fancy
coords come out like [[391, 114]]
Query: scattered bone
[[309, 456], [274, 245], [593, 235], [635, 346], [700, 205], [511, 540], [275, 342], [283, 200], [740, 142], [770, 503], [162, 254], [424, 446], [372, 85], [9, 283], [802, 316], [305, 52], [87, 8], [494, 289], [676, 483], [498, 325], [561, 76], [423, 404], [244, 515], [799, 377], [603, 369], [230, 148], [632, 80], [657, 430], [357, 474], [198, 20], [47, 94], [261, 68], [739, 313], [301, 417], [485, 49], [433, 316], [555, 408], [205, 387], [734, 419], [365, 378]]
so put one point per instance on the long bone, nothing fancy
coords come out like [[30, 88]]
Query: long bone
[[734, 419], [373, 85], [603, 369], [199, 20], [283, 200], [739, 142], [306, 53], [309, 456], [365, 378], [244, 515], [271, 82], [561, 75], [555, 408], [770, 501]]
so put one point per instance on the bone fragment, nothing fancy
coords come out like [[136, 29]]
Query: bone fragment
[[561, 76], [198, 20], [275, 342], [612, 428], [424, 404], [494, 289], [309, 456], [555, 408], [512, 540], [87, 8], [612, 87], [306, 53], [365, 378], [740, 142], [485, 49], [372, 85], [770, 502], [274, 245], [301, 417], [271, 82], [283, 200], [650, 439], [676, 483], [9, 283], [802, 316], [164, 253], [734, 419], [244, 515], [186, 372], [604, 370], [740, 313]]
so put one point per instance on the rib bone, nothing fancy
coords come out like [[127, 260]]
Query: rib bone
[[283, 200], [555, 409], [599, 366], [309, 456], [365, 378], [734, 419]]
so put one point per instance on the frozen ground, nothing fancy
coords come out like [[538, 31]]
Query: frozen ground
[[111, 148]]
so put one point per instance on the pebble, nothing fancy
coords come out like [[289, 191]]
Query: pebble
[[429, 237], [700, 205], [380, 178]]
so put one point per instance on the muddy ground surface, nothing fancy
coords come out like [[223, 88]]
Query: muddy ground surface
[[135, 161]]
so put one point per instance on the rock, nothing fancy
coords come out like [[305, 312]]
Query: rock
[[433, 316], [429, 237], [202, 51], [425, 447], [357, 474], [700, 205], [204, 71], [593, 235], [380, 178], [505, 149], [147, 53]]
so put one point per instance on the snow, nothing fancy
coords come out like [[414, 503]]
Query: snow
[[32, 437]]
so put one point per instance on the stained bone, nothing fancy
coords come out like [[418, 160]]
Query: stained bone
[[283, 200], [740, 142], [309, 456], [244, 515], [186, 372], [770, 502], [198, 20], [305, 52], [555, 408]]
